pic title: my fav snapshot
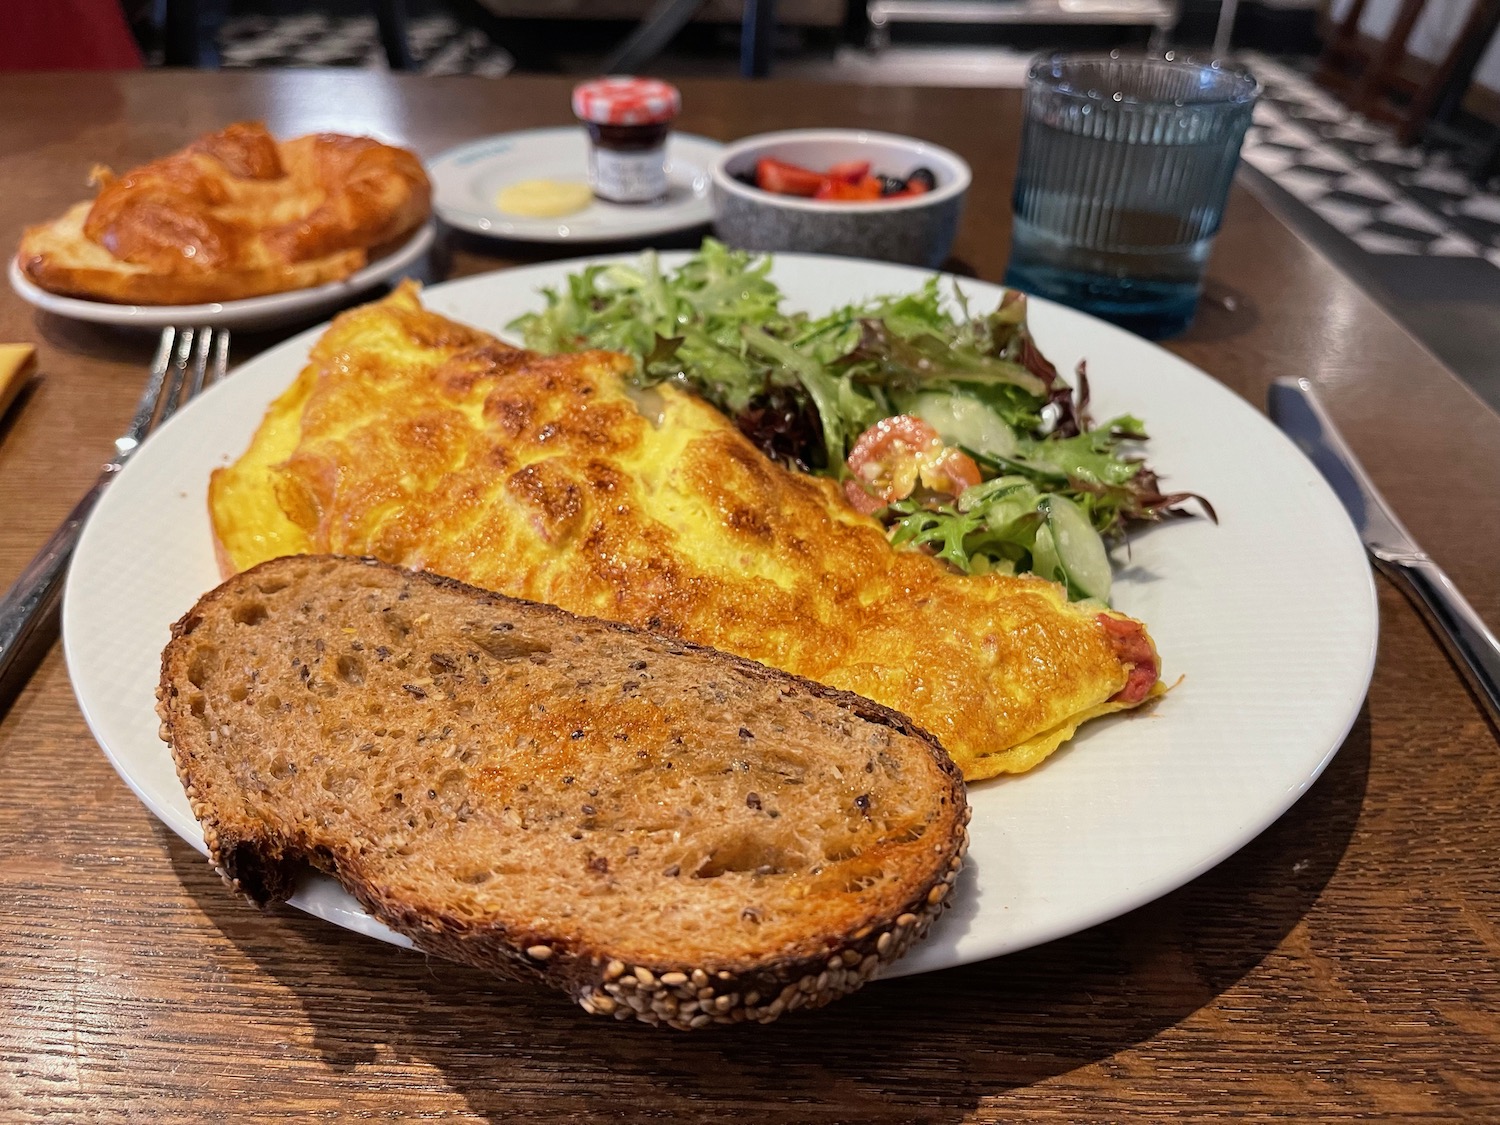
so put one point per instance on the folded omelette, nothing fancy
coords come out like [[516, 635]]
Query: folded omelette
[[430, 444]]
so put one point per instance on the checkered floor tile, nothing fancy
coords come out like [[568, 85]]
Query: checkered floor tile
[[1387, 199], [439, 44]]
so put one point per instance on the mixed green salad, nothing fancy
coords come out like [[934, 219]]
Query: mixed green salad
[[945, 423]]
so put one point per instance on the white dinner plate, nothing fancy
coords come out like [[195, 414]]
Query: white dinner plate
[[1266, 625], [466, 181], [250, 312]]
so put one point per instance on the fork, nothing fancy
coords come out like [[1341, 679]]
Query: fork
[[187, 360]]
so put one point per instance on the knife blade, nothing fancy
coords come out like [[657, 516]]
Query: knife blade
[[1295, 409]]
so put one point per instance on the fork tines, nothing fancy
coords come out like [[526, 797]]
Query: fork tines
[[198, 358], [187, 360]]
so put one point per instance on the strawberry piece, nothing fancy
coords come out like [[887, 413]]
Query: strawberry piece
[[786, 179], [849, 171], [861, 191]]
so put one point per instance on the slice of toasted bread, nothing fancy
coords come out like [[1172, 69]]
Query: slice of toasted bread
[[665, 831]]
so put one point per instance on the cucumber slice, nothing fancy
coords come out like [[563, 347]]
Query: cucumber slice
[[1044, 560], [1080, 551], [967, 422]]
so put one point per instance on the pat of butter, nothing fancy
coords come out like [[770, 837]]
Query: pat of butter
[[544, 199], [16, 364]]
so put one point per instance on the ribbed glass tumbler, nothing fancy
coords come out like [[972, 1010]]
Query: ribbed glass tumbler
[[1126, 161]]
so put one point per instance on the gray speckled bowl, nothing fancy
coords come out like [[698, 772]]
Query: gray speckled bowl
[[918, 230]]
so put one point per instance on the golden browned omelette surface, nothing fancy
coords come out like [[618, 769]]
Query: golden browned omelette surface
[[235, 214], [430, 444]]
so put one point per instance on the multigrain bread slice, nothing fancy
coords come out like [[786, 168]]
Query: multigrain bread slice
[[662, 830]]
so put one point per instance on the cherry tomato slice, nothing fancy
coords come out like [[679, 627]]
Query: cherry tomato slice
[[950, 470], [895, 455], [786, 179], [886, 459]]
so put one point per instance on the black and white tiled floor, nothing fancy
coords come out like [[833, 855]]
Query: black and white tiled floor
[[439, 43], [1386, 199]]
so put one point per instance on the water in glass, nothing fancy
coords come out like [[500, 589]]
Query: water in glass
[[1125, 166]]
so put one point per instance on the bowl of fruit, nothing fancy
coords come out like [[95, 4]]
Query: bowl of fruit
[[840, 191]]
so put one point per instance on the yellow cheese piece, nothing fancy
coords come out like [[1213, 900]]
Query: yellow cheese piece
[[544, 199], [17, 362]]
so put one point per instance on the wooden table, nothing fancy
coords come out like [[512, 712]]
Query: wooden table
[[1344, 966]]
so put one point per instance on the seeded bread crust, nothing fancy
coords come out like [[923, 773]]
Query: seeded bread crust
[[281, 694]]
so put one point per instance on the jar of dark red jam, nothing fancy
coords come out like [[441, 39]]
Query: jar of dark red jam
[[628, 120]]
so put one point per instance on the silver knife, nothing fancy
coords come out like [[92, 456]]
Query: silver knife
[[1297, 411]]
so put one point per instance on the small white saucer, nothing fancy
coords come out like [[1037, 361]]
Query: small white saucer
[[466, 181]]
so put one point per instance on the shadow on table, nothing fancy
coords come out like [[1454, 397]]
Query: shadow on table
[[925, 1048], [468, 253], [133, 346]]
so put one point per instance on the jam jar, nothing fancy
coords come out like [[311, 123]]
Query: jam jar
[[628, 120]]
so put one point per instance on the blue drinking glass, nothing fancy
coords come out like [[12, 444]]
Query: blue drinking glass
[[1126, 162]]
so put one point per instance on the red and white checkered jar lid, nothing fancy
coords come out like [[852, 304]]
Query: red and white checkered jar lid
[[626, 101]]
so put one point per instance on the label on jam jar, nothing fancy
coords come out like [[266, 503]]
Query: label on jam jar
[[628, 177]]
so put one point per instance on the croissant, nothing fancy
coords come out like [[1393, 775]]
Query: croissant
[[234, 214]]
